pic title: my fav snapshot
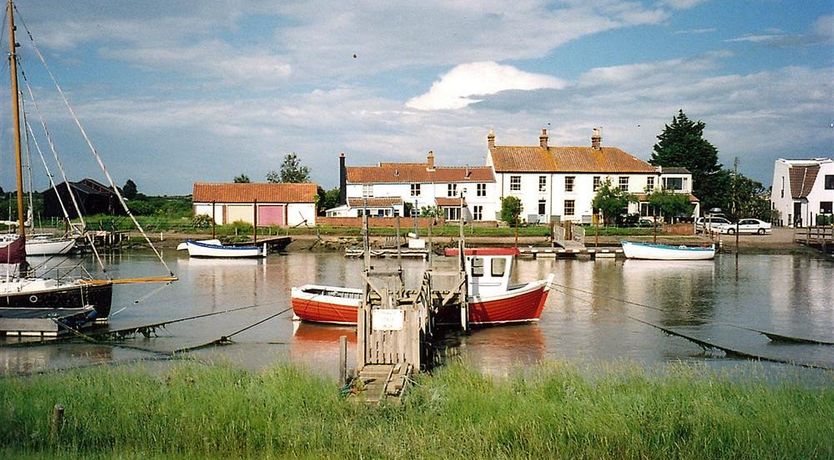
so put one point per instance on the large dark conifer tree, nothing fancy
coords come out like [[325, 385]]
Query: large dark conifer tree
[[682, 144]]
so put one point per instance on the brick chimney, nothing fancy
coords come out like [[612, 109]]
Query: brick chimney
[[543, 139], [596, 139], [491, 139], [342, 180], [430, 161]]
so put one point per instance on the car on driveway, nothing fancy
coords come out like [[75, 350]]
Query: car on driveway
[[713, 224], [748, 226]]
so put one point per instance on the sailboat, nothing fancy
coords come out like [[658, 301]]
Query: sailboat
[[29, 303]]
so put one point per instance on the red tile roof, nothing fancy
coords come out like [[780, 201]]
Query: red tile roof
[[566, 159], [802, 180], [251, 192], [375, 202], [449, 202], [417, 173]]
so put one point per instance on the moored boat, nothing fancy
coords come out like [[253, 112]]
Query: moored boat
[[656, 251], [492, 300], [214, 248]]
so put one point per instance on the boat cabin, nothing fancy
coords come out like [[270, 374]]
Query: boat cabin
[[488, 270]]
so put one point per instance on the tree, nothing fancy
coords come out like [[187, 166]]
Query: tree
[[242, 179], [291, 171], [511, 208], [670, 204], [751, 199], [611, 201], [129, 190], [682, 144], [329, 199]]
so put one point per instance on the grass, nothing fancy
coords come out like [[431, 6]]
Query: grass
[[552, 411]]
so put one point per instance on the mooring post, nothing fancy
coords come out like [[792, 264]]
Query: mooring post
[[343, 359], [57, 421]]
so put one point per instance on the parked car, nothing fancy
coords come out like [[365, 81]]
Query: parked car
[[748, 226], [714, 224], [645, 222]]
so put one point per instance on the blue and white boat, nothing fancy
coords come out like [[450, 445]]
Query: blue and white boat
[[214, 248], [655, 251]]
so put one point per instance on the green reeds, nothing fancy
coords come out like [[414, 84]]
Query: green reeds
[[552, 411]]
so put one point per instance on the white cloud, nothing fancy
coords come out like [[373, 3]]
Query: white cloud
[[462, 85], [681, 4]]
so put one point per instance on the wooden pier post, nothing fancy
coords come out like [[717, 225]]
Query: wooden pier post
[[57, 421], [343, 360]]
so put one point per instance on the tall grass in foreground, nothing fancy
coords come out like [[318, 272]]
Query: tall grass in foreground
[[554, 411]]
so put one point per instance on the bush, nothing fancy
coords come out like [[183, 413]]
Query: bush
[[201, 221], [240, 227]]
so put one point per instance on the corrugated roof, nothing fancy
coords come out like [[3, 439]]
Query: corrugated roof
[[375, 202], [802, 180], [566, 159], [251, 192], [417, 173]]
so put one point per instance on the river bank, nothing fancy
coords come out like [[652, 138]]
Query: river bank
[[780, 241], [551, 411]]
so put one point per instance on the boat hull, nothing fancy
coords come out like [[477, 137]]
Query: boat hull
[[48, 248], [19, 300], [200, 249], [522, 304], [650, 251]]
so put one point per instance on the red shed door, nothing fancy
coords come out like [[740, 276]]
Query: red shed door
[[271, 214]]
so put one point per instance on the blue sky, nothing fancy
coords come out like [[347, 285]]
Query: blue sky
[[177, 92]]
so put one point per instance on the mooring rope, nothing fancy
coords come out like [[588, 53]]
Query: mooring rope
[[704, 344], [226, 339]]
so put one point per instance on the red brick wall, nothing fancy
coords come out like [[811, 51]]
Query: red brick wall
[[389, 222], [679, 229]]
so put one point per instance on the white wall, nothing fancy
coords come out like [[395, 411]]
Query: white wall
[[780, 194], [429, 192], [299, 212]]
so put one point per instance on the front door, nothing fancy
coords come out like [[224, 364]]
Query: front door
[[797, 214]]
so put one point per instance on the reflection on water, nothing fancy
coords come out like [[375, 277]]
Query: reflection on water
[[589, 316]]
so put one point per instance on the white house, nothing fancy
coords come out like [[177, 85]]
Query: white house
[[559, 183], [268, 203], [802, 190], [387, 189]]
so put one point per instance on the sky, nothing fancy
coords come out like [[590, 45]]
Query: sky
[[176, 92]]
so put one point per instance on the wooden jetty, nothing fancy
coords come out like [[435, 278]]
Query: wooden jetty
[[39, 326], [395, 328], [556, 252], [273, 243], [388, 252], [821, 238]]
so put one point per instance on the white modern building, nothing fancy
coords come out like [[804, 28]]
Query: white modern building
[[392, 189], [802, 190], [558, 183], [264, 203]]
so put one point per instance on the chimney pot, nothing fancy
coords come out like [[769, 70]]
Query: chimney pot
[[596, 139], [543, 139], [430, 160], [491, 139]]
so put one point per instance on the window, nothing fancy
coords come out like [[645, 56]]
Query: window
[[596, 183], [478, 212], [783, 187], [542, 183], [481, 189], [650, 183], [829, 181], [569, 183], [477, 266], [624, 183], [452, 213], [415, 189], [515, 183], [570, 207], [367, 190], [673, 183], [452, 190], [542, 207], [644, 209], [499, 265], [825, 207]]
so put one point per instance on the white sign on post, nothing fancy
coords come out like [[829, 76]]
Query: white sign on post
[[389, 319]]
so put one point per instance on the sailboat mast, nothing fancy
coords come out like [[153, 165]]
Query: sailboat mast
[[21, 217]]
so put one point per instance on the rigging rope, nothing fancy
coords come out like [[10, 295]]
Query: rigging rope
[[92, 148], [87, 236]]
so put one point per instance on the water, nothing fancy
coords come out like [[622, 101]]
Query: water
[[592, 317]]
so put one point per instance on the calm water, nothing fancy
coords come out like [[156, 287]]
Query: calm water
[[591, 318]]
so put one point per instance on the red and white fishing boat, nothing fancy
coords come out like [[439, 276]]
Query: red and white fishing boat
[[491, 298]]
